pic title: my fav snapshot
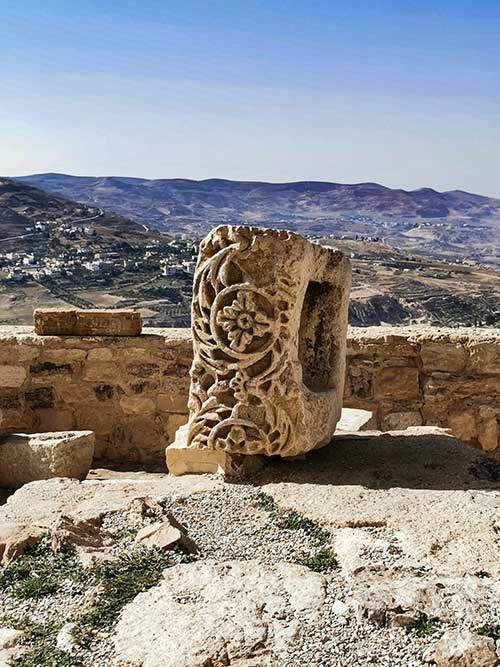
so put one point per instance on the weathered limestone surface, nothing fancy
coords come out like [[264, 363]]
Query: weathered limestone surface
[[27, 458], [435, 500], [269, 321], [462, 648], [9, 645], [413, 520], [43, 503], [76, 322], [232, 613]]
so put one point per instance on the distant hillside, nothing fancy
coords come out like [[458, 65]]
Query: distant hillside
[[22, 206], [452, 225]]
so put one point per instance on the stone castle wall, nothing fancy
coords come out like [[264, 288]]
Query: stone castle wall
[[432, 376], [132, 391]]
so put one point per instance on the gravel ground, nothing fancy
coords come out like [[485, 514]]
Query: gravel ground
[[239, 522]]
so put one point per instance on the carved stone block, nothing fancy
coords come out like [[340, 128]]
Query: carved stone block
[[269, 321]]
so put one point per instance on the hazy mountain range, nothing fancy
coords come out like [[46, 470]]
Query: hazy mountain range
[[22, 205], [55, 251], [450, 225]]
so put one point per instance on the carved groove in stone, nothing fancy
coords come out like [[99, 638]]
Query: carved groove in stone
[[269, 322]]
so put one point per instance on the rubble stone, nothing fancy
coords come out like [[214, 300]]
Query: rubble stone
[[28, 457], [15, 539], [462, 648]]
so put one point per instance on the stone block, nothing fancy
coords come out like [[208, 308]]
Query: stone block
[[73, 322], [443, 356], [25, 458], [53, 419], [353, 420], [399, 421], [100, 354], [184, 460], [269, 325], [10, 399], [12, 376], [15, 420], [173, 402], [484, 356], [137, 405], [488, 434], [359, 381], [102, 372], [76, 393], [40, 397], [463, 425], [397, 383]]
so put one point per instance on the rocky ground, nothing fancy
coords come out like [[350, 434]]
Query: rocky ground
[[381, 549]]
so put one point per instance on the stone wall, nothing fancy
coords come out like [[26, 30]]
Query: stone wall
[[132, 391], [421, 375]]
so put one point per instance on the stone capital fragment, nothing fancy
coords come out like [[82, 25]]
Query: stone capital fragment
[[269, 321]]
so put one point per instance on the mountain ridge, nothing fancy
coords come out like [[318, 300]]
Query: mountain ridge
[[454, 225], [22, 204], [138, 179]]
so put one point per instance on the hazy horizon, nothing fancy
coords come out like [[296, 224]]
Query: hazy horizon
[[402, 94], [248, 180]]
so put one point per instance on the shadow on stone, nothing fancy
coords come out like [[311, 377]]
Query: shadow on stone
[[390, 460]]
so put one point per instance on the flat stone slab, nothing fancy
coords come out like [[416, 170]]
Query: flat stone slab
[[184, 460], [37, 456], [74, 322], [353, 420], [425, 498], [43, 503], [207, 613]]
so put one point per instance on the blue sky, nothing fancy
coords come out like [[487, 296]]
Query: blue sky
[[403, 93]]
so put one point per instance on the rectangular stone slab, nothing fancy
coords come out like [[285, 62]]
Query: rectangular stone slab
[[28, 457], [74, 322], [184, 460]]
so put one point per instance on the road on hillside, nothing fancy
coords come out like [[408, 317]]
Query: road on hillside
[[77, 220]]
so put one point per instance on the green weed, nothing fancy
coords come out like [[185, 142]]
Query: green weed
[[322, 561]]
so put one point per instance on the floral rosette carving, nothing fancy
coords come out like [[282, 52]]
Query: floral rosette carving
[[243, 321]]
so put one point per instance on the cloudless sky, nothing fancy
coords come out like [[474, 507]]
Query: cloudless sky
[[402, 92]]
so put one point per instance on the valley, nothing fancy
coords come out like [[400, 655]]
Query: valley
[[55, 251]]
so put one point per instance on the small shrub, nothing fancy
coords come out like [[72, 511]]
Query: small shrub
[[40, 571], [423, 625], [35, 587], [40, 639], [322, 561], [266, 502], [490, 630], [294, 521]]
